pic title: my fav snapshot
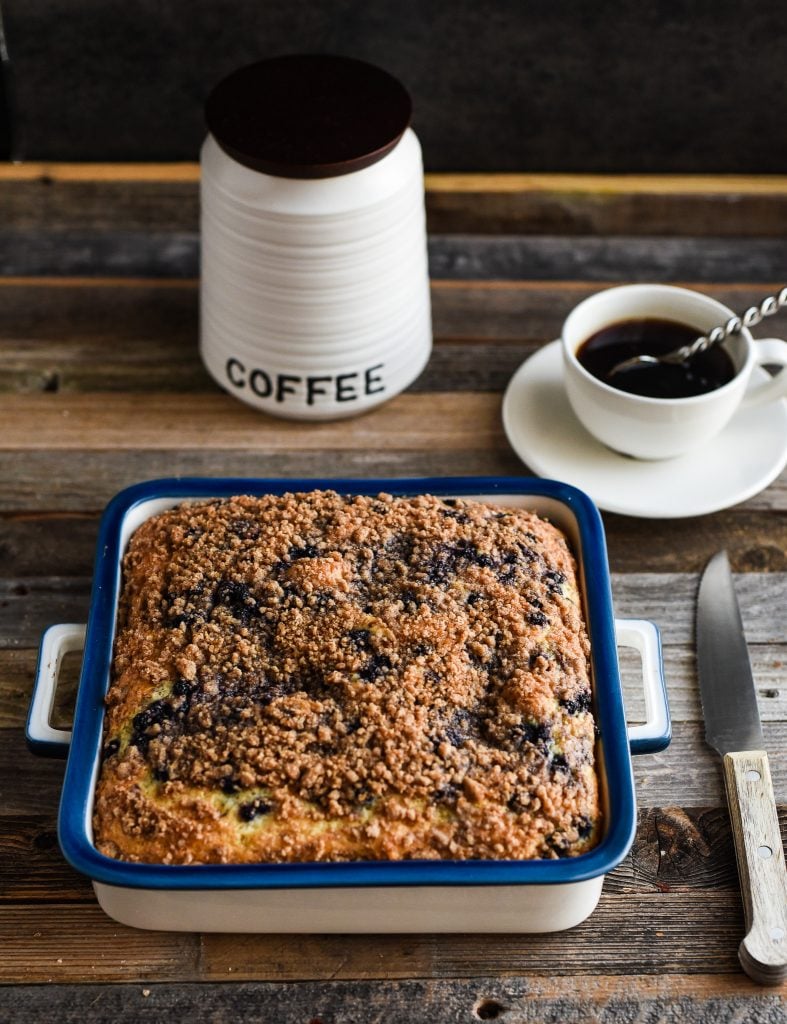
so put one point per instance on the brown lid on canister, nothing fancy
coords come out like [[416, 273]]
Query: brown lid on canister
[[308, 115]]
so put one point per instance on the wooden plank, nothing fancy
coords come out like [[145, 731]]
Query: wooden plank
[[47, 543], [666, 598], [83, 480], [649, 933], [721, 185], [580, 205], [689, 774], [16, 683], [612, 258], [59, 337], [28, 784], [48, 173], [78, 480], [526, 311], [680, 849], [67, 196], [102, 337], [32, 868], [144, 368], [80, 318], [669, 599], [768, 665], [17, 667], [702, 999], [175, 254], [451, 422], [43, 943], [28, 606], [129, 253], [686, 774], [452, 367], [675, 849], [754, 534]]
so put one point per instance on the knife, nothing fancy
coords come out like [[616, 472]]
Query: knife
[[732, 727]]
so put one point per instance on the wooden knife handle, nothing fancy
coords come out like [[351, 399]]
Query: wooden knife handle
[[761, 867]]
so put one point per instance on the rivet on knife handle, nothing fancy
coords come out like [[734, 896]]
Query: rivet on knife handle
[[761, 865]]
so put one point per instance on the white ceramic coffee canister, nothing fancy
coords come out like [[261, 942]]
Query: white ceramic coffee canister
[[315, 284]]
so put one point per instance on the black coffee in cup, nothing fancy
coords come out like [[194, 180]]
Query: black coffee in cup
[[626, 339]]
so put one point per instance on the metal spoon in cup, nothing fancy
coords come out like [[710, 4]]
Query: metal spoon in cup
[[752, 316]]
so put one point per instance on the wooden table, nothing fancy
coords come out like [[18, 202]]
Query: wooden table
[[101, 386]]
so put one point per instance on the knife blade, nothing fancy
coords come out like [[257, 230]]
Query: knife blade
[[732, 727], [729, 700]]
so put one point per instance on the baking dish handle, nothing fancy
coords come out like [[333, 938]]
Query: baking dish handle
[[42, 738], [656, 732]]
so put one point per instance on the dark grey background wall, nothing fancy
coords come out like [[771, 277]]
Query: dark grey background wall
[[499, 85]]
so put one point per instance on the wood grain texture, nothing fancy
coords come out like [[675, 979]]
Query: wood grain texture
[[117, 355], [28, 606], [666, 598], [685, 774], [74, 481], [754, 534], [32, 868], [165, 197], [47, 543], [617, 258], [689, 773], [28, 784], [147, 367], [673, 999], [77, 943], [761, 867], [769, 665], [141, 335], [75, 313], [48, 172], [676, 849], [464, 422], [581, 205], [620, 258], [17, 668], [645, 934]]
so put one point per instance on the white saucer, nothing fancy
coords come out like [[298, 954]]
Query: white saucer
[[739, 462]]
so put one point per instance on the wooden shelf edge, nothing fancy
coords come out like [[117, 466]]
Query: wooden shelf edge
[[442, 182]]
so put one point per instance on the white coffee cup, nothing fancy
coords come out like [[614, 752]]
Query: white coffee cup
[[662, 428]]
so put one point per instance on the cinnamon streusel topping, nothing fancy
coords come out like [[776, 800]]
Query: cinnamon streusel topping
[[321, 677]]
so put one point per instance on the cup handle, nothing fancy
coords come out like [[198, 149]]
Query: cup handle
[[774, 351]]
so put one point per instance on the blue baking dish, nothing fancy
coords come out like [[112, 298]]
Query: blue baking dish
[[416, 895]]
